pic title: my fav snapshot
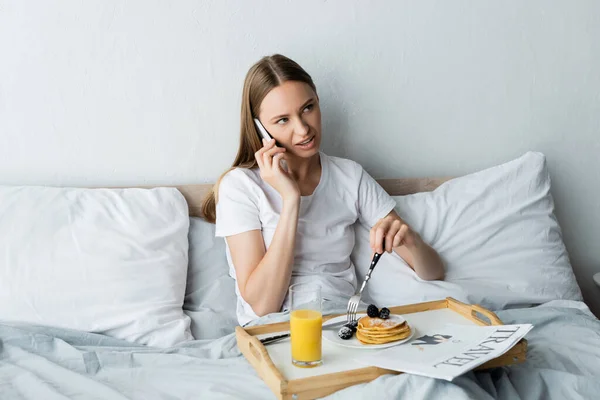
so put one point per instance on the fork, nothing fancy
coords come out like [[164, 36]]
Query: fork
[[355, 300]]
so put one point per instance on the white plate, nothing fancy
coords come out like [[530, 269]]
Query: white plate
[[332, 334]]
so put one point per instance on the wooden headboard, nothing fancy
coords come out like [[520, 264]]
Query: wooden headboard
[[194, 194]]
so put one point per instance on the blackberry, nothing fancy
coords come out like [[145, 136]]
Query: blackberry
[[372, 311], [352, 325], [384, 313], [345, 333]]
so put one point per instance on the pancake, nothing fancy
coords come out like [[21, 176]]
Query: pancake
[[380, 340], [369, 324], [380, 331], [386, 334]]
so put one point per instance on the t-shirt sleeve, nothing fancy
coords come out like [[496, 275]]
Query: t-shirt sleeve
[[374, 202], [237, 205]]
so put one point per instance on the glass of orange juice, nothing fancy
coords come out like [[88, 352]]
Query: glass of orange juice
[[306, 324]]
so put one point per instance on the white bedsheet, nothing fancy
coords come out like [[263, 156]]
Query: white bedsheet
[[40, 363]]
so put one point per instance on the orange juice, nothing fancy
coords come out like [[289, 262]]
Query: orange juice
[[305, 328]]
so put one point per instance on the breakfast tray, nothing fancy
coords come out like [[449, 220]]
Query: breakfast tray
[[339, 370]]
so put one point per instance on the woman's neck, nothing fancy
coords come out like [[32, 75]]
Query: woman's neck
[[306, 172]]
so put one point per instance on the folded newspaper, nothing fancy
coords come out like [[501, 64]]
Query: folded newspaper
[[449, 351]]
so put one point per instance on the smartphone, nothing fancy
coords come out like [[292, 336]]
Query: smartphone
[[267, 136], [261, 129]]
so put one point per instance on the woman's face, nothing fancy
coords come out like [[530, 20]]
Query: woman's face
[[291, 114]]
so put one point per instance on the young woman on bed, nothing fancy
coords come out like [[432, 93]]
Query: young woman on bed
[[283, 227]]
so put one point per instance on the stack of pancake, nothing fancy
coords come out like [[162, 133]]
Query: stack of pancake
[[380, 331]]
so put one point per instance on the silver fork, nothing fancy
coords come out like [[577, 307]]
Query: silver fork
[[355, 300]]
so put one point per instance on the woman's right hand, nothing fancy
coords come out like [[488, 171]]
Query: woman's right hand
[[268, 159]]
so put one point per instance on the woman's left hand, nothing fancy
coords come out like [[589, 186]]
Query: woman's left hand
[[395, 232], [419, 256]]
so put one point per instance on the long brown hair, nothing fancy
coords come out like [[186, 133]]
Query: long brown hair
[[268, 73]]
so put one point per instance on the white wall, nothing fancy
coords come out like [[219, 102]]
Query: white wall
[[115, 92]]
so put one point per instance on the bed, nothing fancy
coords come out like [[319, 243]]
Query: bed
[[519, 268]]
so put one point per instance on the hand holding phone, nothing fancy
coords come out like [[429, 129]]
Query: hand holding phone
[[261, 129], [267, 136], [278, 178]]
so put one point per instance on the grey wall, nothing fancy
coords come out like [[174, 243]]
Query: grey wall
[[113, 92]]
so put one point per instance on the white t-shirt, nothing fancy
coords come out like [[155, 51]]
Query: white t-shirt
[[325, 236]]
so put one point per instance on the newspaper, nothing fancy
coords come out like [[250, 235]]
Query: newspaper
[[447, 352]]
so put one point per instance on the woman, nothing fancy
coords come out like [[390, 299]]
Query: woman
[[292, 222]]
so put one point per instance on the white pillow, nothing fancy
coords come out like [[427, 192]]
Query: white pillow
[[109, 261], [210, 294], [495, 230]]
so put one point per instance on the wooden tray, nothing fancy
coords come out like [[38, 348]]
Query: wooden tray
[[273, 362]]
